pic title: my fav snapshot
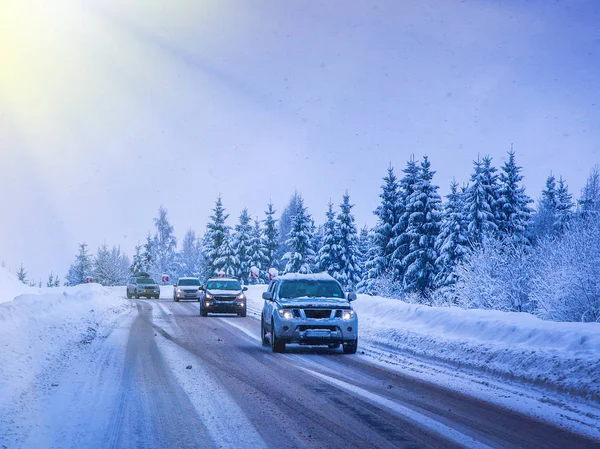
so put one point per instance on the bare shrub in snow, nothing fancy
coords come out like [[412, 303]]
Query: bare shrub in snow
[[566, 280], [495, 275]]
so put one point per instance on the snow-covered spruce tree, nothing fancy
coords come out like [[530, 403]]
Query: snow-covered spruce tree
[[348, 273], [226, 262], [300, 257], [316, 240], [513, 212], [329, 253], [137, 264], [544, 220], [589, 203], [22, 275], [452, 243], [189, 258], [81, 268], [50, 281], [258, 257], [425, 206], [216, 234], [110, 267], [402, 240], [271, 238], [148, 254], [495, 275], [564, 206], [286, 223], [165, 245], [365, 242], [565, 285], [242, 238], [479, 203]]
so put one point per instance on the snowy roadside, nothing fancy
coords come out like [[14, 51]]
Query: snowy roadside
[[517, 346], [41, 335]]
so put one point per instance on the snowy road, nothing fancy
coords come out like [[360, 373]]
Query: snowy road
[[238, 393]]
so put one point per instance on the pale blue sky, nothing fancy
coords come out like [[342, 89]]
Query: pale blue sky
[[115, 108]]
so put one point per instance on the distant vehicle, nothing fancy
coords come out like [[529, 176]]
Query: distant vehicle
[[308, 310], [142, 285], [222, 295], [187, 288]]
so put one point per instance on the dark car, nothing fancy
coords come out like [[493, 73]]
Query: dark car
[[139, 286], [222, 295]]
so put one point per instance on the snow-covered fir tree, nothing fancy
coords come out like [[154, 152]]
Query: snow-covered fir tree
[[53, 280], [589, 203], [365, 242], [349, 272], [479, 203], [217, 233], [564, 206], [452, 242], [110, 267], [424, 206], [227, 261], [81, 268], [165, 245], [138, 262], [258, 252], [329, 253], [513, 212], [242, 238], [190, 256], [300, 256], [316, 240], [286, 223], [148, 255], [402, 240], [22, 275], [544, 221], [271, 238]]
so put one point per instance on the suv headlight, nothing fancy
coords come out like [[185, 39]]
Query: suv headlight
[[348, 315], [179, 290], [208, 296], [286, 314], [240, 296]]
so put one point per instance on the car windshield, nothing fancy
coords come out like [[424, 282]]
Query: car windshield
[[223, 285], [194, 282], [145, 281], [308, 288]]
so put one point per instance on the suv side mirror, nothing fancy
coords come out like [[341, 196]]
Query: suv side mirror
[[351, 296], [245, 289], [267, 296], [201, 288]]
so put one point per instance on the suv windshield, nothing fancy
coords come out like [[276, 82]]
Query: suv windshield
[[307, 288], [145, 281], [223, 285], [189, 282]]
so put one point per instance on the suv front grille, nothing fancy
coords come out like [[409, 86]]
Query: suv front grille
[[319, 314], [225, 298]]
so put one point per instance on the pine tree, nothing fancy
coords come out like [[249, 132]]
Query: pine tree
[[452, 242], [241, 245], [22, 275], [56, 281], [110, 267], [190, 256], [589, 203], [544, 222], [148, 255], [564, 206], [513, 212], [226, 261], [258, 252], [165, 245], [316, 241], [402, 240], [329, 253], [271, 238], [286, 223], [369, 252], [217, 233], [301, 255], [479, 203], [424, 205], [137, 264], [81, 269], [348, 273]]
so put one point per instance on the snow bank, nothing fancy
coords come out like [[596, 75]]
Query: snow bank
[[11, 287], [40, 333], [561, 356]]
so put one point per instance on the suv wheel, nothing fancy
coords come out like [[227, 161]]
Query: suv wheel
[[128, 295], [350, 347], [202, 311], [175, 299], [243, 313], [263, 332], [276, 344], [136, 296]]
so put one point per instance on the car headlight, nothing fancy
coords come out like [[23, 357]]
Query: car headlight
[[240, 296], [286, 314], [348, 314], [209, 296], [179, 290]]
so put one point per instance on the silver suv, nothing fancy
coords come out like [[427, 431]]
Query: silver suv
[[141, 284], [187, 288], [309, 309]]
